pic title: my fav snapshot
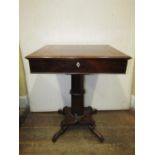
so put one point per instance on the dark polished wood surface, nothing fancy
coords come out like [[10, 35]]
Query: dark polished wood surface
[[77, 51], [77, 60]]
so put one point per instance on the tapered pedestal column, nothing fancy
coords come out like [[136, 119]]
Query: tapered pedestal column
[[77, 95]]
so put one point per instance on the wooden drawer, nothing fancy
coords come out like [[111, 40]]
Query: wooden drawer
[[77, 66]]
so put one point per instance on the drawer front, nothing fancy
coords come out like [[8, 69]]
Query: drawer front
[[81, 66]]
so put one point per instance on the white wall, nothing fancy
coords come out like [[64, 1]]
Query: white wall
[[77, 22]]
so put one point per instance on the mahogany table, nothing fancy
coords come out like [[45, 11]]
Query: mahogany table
[[77, 60]]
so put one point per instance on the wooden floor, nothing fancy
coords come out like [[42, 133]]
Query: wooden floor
[[116, 126]]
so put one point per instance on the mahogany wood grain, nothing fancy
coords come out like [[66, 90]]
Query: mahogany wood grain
[[56, 65], [77, 51], [65, 59]]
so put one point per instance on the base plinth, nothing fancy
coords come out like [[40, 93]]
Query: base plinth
[[74, 120]]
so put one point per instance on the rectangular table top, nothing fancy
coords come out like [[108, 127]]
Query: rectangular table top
[[77, 51], [78, 59]]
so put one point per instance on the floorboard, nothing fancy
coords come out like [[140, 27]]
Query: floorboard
[[118, 128]]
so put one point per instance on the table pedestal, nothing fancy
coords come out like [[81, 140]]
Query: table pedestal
[[77, 114]]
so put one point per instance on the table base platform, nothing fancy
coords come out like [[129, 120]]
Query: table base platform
[[74, 120]]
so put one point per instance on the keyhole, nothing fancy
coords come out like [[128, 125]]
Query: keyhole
[[78, 64]]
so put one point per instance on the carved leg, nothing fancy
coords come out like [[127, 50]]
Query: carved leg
[[68, 120], [60, 111], [63, 111], [59, 133], [96, 133], [90, 110], [94, 111], [86, 118]]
